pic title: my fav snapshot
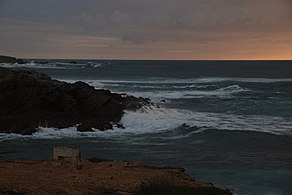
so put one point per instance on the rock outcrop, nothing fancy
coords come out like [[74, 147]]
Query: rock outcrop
[[110, 177], [29, 99], [11, 60]]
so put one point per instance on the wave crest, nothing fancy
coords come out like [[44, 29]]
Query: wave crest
[[232, 89], [157, 120]]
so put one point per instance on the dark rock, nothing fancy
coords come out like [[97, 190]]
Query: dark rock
[[41, 62], [11, 60], [98, 160], [29, 99], [11, 193], [7, 59], [20, 61]]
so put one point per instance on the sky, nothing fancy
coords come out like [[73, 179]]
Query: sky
[[147, 29]]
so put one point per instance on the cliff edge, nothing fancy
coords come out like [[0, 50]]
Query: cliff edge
[[29, 99], [110, 177]]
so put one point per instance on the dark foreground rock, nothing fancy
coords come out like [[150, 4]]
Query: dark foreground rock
[[104, 177], [11, 60], [29, 99]]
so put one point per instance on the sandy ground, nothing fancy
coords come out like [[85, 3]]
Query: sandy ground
[[112, 177]]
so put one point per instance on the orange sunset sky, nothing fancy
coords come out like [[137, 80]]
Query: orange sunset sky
[[152, 29]]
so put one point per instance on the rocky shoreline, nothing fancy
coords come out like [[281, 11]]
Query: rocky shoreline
[[29, 100], [27, 177], [11, 60]]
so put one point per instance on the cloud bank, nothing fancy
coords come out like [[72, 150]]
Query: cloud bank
[[152, 29]]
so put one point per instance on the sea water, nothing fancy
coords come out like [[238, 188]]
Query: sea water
[[226, 122]]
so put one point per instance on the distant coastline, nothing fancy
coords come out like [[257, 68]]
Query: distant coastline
[[12, 60]]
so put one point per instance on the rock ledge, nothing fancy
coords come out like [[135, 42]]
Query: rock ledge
[[29, 99], [110, 177]]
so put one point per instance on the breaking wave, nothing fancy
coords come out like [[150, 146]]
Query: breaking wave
[[197, 80], [158, 92], [156, 120], [53, 65], [221, 92]]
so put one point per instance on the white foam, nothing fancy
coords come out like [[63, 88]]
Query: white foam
[[231, 89], [71, 132], [239, 79], [157, 120], [94, 83], [151, 119], [52, 65], [11, 136], [154, 119], [98, 65], [177, 88], [157, 95], [34, 65], [165, 86], [198, 80], [192, 86], [225, 92]]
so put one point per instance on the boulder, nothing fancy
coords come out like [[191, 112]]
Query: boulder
[[7, 59], [11, 60], [29, 99]]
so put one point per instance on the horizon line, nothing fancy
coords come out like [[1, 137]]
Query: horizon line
[[117, 59]]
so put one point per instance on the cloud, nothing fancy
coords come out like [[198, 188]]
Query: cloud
[[142, 21], [188, 24]]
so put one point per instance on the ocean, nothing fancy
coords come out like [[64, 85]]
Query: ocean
[[226, 122]]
